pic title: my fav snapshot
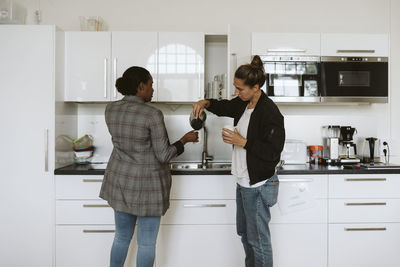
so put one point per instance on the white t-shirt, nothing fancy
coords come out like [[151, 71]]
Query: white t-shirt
[[239, 163]]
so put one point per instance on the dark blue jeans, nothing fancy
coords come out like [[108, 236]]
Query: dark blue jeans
[[252, 218], [146, 237]]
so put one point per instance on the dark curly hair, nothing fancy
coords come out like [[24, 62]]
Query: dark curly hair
[[129, 82], [252, 73]]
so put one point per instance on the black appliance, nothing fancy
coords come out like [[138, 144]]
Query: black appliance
[[355, 77]]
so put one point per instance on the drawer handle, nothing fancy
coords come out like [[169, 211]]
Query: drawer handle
[[355, 51], [294, 180], [92, 180], [204, 205], [285, 50], [98, 231], [365, 229], [365, 179], [96, 206], [366, 204]]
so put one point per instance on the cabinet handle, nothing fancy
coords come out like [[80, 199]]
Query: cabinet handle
[[105, 78], [96, 205], [92, 180], [365, 179], [98, 231], [204, 205], [46, 150], [234, 67], [286, 50], [200, 97], [366, 204], [365, 229], [355, 51], [295, 180], [115, 76]]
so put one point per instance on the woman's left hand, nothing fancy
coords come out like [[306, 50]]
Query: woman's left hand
[[233, 137]]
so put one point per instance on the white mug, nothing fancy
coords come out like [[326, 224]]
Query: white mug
[[229, 127]]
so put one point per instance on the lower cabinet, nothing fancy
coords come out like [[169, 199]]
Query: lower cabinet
[[199, 246], [364, 245], [300, 245], [87, 246]]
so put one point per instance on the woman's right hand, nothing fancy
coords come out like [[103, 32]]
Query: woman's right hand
[[199, 106], [192, 136]]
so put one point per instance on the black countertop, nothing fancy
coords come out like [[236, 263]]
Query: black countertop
[[98, 169]]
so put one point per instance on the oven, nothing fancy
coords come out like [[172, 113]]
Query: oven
[[355, 79]]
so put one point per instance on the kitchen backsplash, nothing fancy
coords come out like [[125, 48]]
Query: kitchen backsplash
[[301, 122]]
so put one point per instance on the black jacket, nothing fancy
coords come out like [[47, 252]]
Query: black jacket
[[265, 134]]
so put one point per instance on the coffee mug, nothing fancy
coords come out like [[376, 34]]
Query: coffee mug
[[229, 127]]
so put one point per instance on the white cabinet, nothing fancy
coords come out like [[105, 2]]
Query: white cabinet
[[133, 49], [94, 60], [302, 245], [87, 66], [28, 56], [88, 246], [199, 246], [180, 66], [348, 44], [363, 214], [84, 224], [299, 221], [264, 43], [239, 53], [199, 228], [366, 245]]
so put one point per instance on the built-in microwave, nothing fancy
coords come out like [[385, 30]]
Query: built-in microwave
[[292, 78], [354, 79]]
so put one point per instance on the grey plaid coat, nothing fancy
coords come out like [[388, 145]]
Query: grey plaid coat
[[137, 179]]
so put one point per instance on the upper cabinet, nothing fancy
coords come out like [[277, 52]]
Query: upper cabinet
[[94, 60], [133, 49], [87, 58], [286, 44], [180, 66], [363, 45], [239, 52]]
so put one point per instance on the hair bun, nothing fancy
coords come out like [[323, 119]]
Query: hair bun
[[257, 62], [121, 84]]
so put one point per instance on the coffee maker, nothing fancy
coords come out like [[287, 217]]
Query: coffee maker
[[348, 149], [330, 136]]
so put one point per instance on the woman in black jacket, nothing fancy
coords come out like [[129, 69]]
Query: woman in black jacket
[[257, 140]]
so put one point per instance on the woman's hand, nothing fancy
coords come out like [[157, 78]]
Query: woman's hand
[[191, 136], [233, 137], [199, 106]]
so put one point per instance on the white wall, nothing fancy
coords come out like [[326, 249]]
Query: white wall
[[302, 122]]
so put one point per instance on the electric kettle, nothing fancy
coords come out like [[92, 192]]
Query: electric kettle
[[197, 123]]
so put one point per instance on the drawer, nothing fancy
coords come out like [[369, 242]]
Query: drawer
[[83, 212], [78, 186], [200, 212], [364, 210], [317, 212], [87, 246], [203, 187], [366, 245], [364, 186], [316, 185]]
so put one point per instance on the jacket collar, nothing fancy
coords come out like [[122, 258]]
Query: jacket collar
[[133, 98], [262, 98]]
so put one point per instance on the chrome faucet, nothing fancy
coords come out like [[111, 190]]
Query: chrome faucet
[[204, 155]]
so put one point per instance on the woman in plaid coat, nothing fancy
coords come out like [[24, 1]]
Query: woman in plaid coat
[[137, 180]]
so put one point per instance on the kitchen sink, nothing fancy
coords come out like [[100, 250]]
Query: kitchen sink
[[198, 166]]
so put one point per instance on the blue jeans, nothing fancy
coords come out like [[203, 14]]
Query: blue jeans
[[252, 218], [146, 237]]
